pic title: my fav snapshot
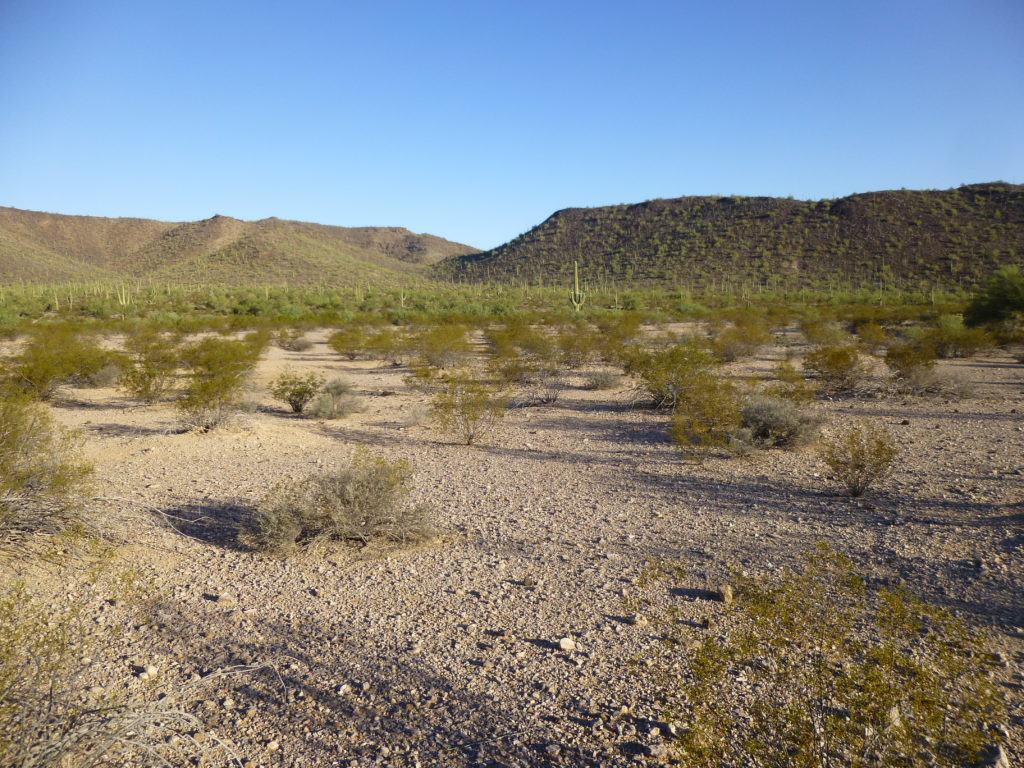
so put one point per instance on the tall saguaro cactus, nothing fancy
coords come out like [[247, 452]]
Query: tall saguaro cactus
[[576, 296]]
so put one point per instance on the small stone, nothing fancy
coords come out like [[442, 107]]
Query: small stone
[[996, 757], [657, 751], [273, 746], [725, 594], [344, 689], [150, 670], [638, 620], [567, 644], [553, 749]]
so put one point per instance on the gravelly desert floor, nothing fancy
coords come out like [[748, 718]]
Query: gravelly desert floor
[[448, 653]]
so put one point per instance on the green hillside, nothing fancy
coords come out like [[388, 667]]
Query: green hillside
[[902, 238], [46, 247]]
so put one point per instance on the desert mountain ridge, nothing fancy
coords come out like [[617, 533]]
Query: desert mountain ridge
[[45, 247], [898, 238]]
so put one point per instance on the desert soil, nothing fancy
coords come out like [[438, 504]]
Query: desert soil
[[448, 653]]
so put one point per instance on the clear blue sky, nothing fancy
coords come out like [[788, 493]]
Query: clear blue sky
[[477, 120]]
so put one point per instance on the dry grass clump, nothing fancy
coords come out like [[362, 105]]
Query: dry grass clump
[[366, 500], [293, 340], [602, 380], [336, 401], [860, 456], [39, 473], [774, 422], [816, 671]]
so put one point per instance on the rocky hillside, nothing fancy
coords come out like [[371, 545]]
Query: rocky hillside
[[899, 238], [39, 247]]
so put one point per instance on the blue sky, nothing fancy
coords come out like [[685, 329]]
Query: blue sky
[[477, 120]]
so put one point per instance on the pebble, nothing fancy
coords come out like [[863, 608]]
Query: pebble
[[567, 644]]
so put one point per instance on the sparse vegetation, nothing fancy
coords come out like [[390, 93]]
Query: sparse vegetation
[[859, 456], [667, 373], [363, 501], [706, 415], [154, 362], [816, 671]]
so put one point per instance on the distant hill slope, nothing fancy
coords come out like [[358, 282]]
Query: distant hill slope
[[38, 247], [898, 238]]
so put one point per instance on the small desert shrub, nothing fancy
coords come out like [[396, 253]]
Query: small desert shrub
[[107, 376], [789, 384], [293, 340], [615, 333], [904, 359], [859, 456], [336, 401], [951, 384], [872, 336], [576, 344], [601, 380], [823, 333], [668, 372], [467, 408], [366, 500], [816, 671], [349, 342], [541, 388], [154, 363], [773, 422], [390, 345], [295, 389], [741, 339], [219, 369], [840, 369], [705, 416], [949, 338], [445, 346], [38, 472]]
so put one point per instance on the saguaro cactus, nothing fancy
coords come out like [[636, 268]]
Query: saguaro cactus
[[576, 296]]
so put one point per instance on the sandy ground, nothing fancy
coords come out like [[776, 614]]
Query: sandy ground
[[448, 653]]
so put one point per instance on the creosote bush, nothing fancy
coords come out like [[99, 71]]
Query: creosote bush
[[349, 342], [54, 355], [666, 373], [39, 473], [152, 367], [840, 369], [814, 670], [295, 389], [467, 408], [706, 415], [219, 370], [602, 380], [363, 501], [859, 456]]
